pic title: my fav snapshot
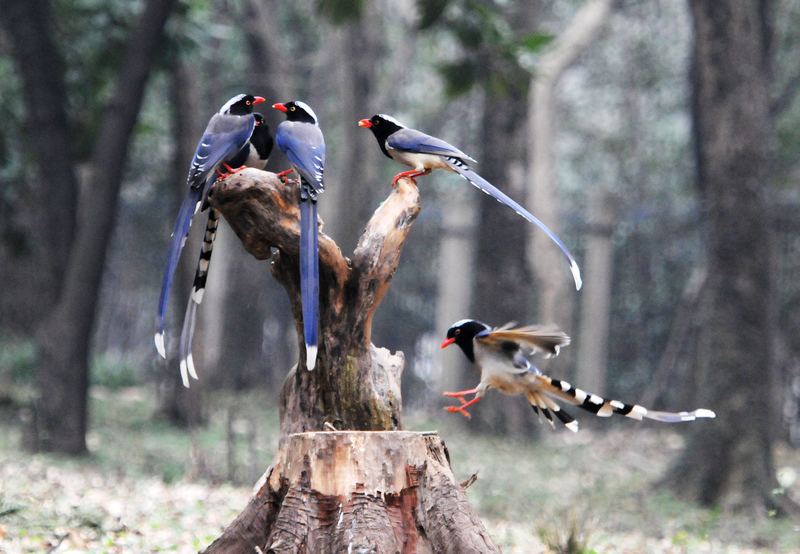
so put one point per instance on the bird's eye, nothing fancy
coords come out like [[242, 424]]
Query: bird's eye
[[248, 102], [292, 108], [458, 331]]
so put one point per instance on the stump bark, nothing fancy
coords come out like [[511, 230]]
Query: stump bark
[[368, 487]]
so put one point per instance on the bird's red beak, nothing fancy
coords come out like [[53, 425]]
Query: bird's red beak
[[280, 107], [259, 100], [366, 123], [448, 342]]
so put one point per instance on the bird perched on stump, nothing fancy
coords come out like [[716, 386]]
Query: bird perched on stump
[[231, 140], [424, 153], [300, 138], [502, 356]]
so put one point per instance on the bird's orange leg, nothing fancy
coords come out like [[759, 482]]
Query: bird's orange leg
[[282, 175], [411, 174], [463, 408]]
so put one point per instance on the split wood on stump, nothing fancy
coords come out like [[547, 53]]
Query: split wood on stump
[[370, 487]]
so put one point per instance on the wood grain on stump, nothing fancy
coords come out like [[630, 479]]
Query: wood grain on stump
[[357, 491]]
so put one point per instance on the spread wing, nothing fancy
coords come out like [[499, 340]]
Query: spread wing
[[530, 339], [411, 140], [304, 145], [224, 136]]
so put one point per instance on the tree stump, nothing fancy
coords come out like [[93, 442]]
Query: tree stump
[[369, 487], [357, 491]]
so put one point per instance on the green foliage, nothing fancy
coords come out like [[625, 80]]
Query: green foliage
[[430, 11], [341, 11], [109, 372], [489, 45], [17, 360]]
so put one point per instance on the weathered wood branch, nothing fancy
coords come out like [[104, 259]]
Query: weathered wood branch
[[358, 492], [355, 384]]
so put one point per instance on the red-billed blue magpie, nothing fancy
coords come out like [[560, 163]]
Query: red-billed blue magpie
[[228, 133], [502, 354], [300, 138], [424, 153], [254, 154]]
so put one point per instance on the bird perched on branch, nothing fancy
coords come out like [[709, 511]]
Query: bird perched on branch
[[424, 153], [502, 356], [254, 154], [229, 141], [300, 138]]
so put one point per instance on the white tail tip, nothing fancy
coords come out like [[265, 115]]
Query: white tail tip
[[702, 412], [190, 367], [311, 356], [576, 274], [197, 295], [572, 426], [159, 340], [184, 374]]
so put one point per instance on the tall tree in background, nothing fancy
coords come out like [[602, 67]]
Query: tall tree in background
[[64, 334], [729, 462]]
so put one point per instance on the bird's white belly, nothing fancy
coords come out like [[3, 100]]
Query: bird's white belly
[[419, 161], [498, 374], [253, 160]]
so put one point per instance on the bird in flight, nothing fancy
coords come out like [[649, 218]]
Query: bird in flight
[[502, 355]]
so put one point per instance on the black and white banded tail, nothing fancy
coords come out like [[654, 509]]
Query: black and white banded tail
[[597, 405], [198, 289]]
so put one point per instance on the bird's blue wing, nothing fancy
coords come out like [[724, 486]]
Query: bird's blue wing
[[482, 184], [411, 140], [309, 278], [304, 145], [224, 136]]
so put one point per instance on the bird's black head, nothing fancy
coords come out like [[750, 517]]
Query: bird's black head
[[381, 125], [462, 332], [297, 111], [241, 104]]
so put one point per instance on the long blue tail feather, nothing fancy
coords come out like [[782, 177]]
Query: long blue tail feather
[[309, 278], [179, 233], [482, 184]]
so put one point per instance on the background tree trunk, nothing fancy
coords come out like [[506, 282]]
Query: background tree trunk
[[29, 24], [63, 338], [734, 139], [328, 490], [595, 312], [543, 257]]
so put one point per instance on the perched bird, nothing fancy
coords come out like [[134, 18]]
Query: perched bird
[[226, 134], [424, 153], [502, 356], [255, 153], [300, 138]]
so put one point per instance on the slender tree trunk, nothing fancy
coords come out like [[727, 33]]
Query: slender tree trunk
[[734, 139], [595, 314], [64, 335], [543, 257]]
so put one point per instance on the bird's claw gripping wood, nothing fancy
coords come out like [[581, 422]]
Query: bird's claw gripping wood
[[410, 174], [283, 174]]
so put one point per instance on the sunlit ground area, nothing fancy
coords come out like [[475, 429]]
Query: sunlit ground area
[[152, 488]]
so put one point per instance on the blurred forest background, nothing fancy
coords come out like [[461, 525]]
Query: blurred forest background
[[661, 140]]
